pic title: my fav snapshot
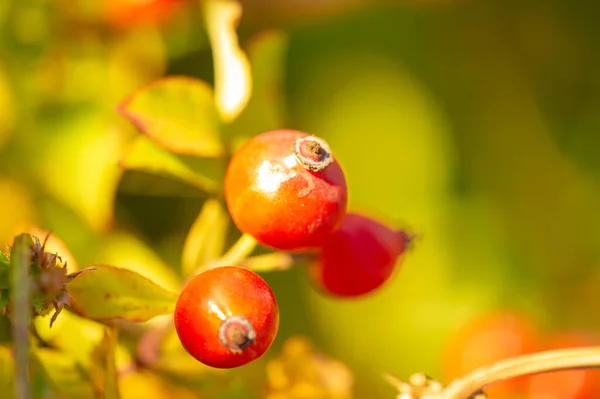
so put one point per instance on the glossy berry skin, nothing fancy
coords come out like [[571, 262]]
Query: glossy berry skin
[[273, 195], [568, 384], [226, 317], [359, 257], [487, 339]]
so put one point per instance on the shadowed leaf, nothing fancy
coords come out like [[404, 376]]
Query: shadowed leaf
[[147, 156], [178, 113], [7, 370], [107, 292], [103, 371], [206, 238], [64, 374]]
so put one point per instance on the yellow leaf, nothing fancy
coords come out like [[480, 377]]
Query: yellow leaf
[[233, 83]]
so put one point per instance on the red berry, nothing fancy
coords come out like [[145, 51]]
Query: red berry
[[286, 190], [488, 339], [568, 384], [124, 14], [359, 257], [226, 317]]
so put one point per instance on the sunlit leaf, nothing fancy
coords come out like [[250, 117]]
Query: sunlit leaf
[[145, 155], [233, 83], [64, 374], [7, 116], [206, 238], [175, 360], [136, 57], [7, 369], [77, 336], [148, 385], [107, 292], [16, 210], [178, 113], [103, 371], [300, 370], [84, 174], [266, 109], [128, 252]]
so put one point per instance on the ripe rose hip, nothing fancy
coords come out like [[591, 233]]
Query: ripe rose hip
[[226, 317], [359, 257], [568, 384], [285, 189], [487, 339]]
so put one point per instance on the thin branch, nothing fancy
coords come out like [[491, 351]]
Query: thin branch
[[21, 311], [244, 246], [541, 362]]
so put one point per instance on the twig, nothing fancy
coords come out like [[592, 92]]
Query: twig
[[244, 246], [21, 312], [541, 362]]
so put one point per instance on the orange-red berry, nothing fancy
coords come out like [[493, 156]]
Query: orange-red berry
[[568, 384], [359, 257], [286, 189], [226, 317], [487, 339], [125, 14]]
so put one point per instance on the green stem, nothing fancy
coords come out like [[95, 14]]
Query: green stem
[[238, 252], [276, 261], [21, 311], [542, 362]]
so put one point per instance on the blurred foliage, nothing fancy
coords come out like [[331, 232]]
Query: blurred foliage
[[476, 123]]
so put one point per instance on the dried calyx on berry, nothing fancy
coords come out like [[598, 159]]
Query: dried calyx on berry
[[48, 274]]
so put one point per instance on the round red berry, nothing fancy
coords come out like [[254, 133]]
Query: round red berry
[[567, 384], [226, 317], [359, 257], [286, 189]]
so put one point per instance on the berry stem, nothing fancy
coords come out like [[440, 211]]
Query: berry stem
[[21, 312], [238, 252], [276, 261], [541, 362]]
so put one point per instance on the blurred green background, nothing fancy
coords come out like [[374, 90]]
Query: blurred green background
[[476, 123]]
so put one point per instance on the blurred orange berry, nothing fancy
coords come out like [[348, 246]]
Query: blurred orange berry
[[569, 384], [488, 339]]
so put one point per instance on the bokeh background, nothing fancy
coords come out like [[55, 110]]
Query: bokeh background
[[475, 123]]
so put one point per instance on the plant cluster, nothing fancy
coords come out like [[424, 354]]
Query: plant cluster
[[286, 192]]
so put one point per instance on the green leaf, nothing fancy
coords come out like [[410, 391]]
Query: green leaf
[[145, 155], [4, 297], [64, 374], [4, 273], [7, 370], [86, 180], [131, 253], [77, 336], [178, 114], [107, 292], [233, 83], [206, 239], [103, 371]]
